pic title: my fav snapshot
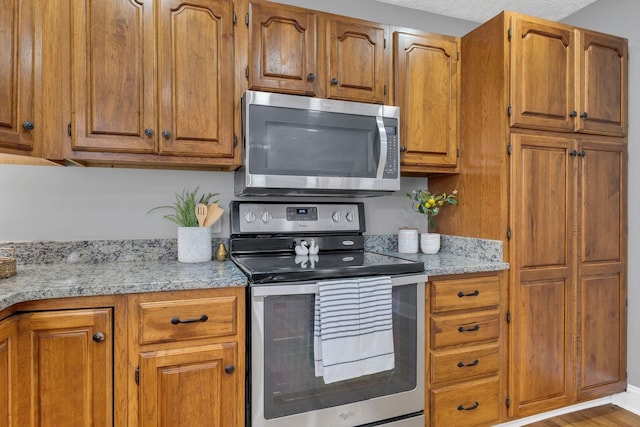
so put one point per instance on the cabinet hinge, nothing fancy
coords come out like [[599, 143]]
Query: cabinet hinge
[[509, 34], [235, 140], [457, 153], [509, 149], [137, 375], [508, 233], [384, 43], [458, 55], [508, 317], [509, 110], [246, 19], [507, 401], [246, 72], [69, 129], [235, 18], [385, 89]]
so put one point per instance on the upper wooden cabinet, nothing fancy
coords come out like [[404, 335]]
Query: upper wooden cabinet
[[153, 77], [300, 51], [17, 76], [426, 87], [566, 79]]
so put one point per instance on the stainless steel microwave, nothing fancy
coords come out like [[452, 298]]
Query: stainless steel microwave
[[297, 145]]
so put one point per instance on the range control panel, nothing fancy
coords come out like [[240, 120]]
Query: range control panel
[[282, 217]]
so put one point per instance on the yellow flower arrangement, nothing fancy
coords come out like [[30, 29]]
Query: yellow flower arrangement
[[429, 205]]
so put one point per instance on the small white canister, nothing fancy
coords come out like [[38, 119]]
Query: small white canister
[[408, 240]]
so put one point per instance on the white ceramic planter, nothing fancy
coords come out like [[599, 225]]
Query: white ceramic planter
[[430, 243], [194, 244]]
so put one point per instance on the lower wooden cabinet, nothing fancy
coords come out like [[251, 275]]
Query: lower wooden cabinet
[[465, 352], [66, 369], [8, 376], [154, 359], [187, 358]]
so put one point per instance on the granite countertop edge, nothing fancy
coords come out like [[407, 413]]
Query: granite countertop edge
[[64, 280]]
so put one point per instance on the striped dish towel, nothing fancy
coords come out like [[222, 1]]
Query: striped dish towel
[[353, 328]]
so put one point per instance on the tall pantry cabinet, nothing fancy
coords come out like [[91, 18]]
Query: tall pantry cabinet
[[544, 169]]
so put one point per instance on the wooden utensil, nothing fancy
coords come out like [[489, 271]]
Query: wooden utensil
[[201, 213], [214, 214]]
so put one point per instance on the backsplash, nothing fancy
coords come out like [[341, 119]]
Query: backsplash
[[99, 251]]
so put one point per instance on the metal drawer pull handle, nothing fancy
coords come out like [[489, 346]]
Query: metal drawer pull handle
[[463, 329], [470, 408], [474, 363], [472, 294], [202, 318]]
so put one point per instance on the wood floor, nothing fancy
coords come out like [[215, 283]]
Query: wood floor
[[606, 415]]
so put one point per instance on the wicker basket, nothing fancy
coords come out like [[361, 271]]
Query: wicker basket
[[7, 263]]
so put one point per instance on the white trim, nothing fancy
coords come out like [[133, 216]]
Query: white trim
[[629, 400]]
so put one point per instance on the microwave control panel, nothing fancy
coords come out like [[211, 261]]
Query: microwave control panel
[[391, 167]]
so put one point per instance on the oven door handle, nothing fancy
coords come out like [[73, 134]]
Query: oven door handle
[[312, 288]]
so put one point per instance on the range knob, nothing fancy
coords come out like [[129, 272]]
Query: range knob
[[349, 216], [336, 217], [266, 216], [250, 217]]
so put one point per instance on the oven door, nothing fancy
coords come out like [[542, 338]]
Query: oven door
[[284, 388]]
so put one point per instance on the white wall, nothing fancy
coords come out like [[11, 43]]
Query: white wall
[[56, 203], [620, 17]]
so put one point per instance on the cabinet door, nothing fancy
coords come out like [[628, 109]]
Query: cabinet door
[[195, 72], [282, 49], [602, 84], [426, 88], [542, 75], [66, 359], [191, 386], [113, 81], [602, 242], [8, 372], [16, 75], [542, 198], [355, 55]]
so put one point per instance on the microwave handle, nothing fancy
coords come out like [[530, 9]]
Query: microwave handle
[[383, 147]]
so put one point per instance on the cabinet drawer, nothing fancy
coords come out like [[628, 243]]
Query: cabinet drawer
[[473, 403], [178, 320], [465, 363], [460, 294], [464, 328]]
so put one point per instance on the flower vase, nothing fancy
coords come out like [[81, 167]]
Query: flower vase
[[194, 244], [430, 243]]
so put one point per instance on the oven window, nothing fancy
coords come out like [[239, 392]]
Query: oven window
[[286, 141], [291, 386]]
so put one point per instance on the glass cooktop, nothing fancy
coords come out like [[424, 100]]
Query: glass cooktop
[[272, 268]]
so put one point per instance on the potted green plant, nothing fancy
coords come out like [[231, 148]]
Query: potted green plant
[[194, 240], [430, 205]]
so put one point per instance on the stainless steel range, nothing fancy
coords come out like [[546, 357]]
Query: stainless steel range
[[336, 333]]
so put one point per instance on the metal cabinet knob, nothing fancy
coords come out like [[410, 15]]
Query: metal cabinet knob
[[148, 132], [573, 114], [311, 77], [584, 115], [99, 337], [28, 125], [229, 369], [334, 81], [166, 134]]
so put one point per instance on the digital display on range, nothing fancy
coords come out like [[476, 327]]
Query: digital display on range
[[391, 130], [302, 213]]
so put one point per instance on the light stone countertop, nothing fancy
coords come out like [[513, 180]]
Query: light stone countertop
[[73, 269], [44, 281]]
